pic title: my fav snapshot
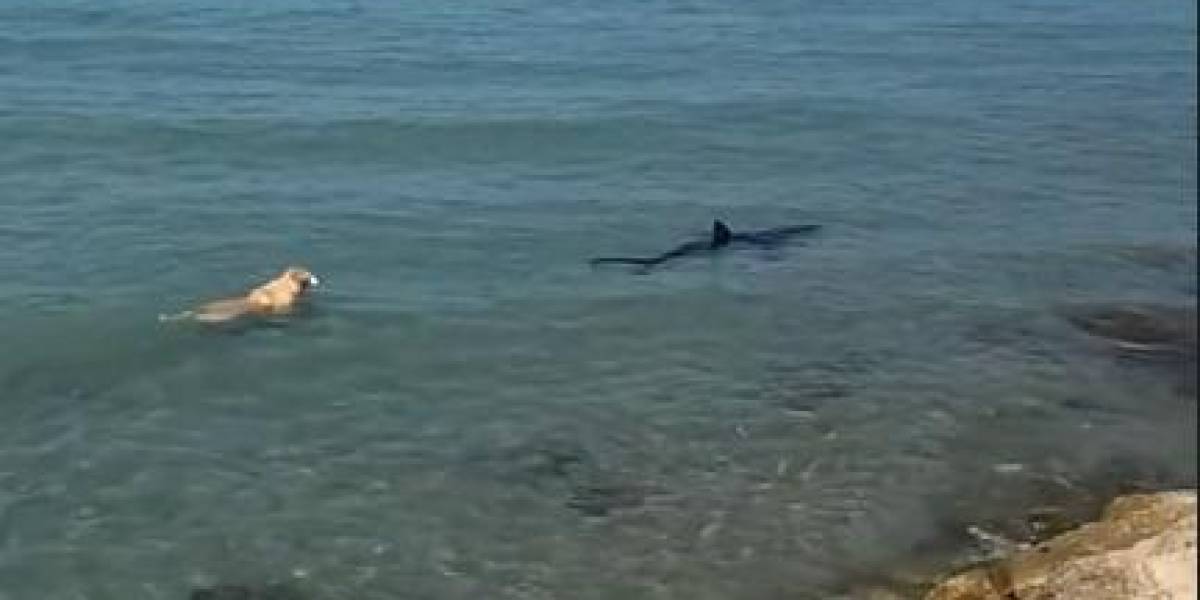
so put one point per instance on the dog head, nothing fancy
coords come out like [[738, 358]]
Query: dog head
[[300, 277]]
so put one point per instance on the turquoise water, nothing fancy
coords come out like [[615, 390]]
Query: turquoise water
[[466, 409]]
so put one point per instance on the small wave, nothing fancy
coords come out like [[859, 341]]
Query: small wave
[[390, 141]]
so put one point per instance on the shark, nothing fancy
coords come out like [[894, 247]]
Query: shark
[[722, 237]]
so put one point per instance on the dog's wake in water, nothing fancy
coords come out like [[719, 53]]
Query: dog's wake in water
[[721, 238]]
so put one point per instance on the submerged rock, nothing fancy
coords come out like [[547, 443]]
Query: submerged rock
[[551, 458], [1144, 546], [600, 500], [1161, 336], [1160, 256], [228, 591], [1139, 327]]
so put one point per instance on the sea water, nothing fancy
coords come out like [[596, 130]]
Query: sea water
[[466, 409]]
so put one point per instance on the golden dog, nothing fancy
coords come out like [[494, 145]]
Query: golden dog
[[274, 297]]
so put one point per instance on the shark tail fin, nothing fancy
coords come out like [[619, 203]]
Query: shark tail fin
[[721, 234]]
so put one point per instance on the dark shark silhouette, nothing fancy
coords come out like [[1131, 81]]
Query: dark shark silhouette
[[722, 237]]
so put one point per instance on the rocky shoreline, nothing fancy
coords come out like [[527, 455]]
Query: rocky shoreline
[[1143, 546]]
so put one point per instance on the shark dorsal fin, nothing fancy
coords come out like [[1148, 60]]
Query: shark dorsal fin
[[721, 235]]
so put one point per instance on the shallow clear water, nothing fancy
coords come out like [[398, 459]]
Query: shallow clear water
[[456, 407]]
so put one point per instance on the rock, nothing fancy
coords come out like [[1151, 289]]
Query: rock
[[1048, 521], [230, 591], [1160, 256], [599, 500], [871, 593], [1144, 546], [1139, 327], [1151, 334], [549, 458]]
